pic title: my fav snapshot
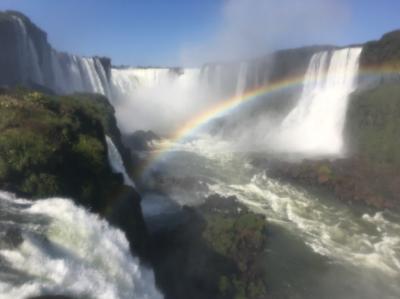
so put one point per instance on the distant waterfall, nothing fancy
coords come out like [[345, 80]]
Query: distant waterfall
[[29, 61], [129, 80], [126, 82], [116, 162], [78, 74], [158, 98], [61, 72], [52, 246], [242, 79], [315, 125]]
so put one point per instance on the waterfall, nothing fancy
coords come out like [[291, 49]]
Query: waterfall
[[242, 79], [61, 72], [78, 74], [159, 98], [129, 80], [315, 125], [126, 81], [116, 162], [52, 246], [28, 53]]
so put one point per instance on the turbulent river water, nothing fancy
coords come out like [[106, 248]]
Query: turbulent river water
[[318, 247], [52, 246]]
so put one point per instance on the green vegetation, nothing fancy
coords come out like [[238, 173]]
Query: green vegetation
[[55, 146], [373, 124], [241, 238], [382, 52], [217, 251]]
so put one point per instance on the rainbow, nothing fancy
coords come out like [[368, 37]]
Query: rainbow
[[225, 105]]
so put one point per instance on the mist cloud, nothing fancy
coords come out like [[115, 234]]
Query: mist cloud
[[250, 28]]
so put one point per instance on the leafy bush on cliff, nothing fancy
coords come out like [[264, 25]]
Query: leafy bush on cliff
[[240, 237], [55, 146], [373, 124]]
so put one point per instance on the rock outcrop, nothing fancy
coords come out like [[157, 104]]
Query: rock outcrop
[[213, 252]]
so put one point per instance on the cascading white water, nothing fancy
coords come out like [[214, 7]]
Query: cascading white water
[[78, 74], [129, 80], [63, 73], [28, 54], [116, 163], [346, 252], [242, 79], [315, 125], [159, 99], [64, 249]]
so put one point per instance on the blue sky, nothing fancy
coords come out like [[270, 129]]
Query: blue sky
[[172, 32]]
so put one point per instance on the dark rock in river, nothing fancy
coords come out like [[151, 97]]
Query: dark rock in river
[[214, 252], [140, 140], [13, 238], [126, 213]]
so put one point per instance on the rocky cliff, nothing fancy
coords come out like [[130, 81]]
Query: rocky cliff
[[55, 146], [28, 59]]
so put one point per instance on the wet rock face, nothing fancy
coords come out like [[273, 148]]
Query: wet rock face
[[140, 140], [13, 238], [125, 212]]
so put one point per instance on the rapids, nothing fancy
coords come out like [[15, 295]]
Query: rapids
[[52, 246], [319, 247]]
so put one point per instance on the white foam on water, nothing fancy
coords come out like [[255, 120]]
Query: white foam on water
[[334, 231], [76, 253]]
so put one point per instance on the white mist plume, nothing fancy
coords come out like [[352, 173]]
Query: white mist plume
[[250, 28], [161, 100]]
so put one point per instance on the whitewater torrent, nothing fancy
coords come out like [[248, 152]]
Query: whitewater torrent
[[315, 125], [61, 72], [127, 81], [116, 163], [65, 249], [320, 248]]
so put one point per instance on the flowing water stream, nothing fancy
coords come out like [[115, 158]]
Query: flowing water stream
[[318, 247], [52, 246]]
